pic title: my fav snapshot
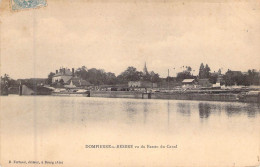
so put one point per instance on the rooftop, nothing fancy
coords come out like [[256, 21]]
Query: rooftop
[[78, 82], [63, 71], [187, 80]]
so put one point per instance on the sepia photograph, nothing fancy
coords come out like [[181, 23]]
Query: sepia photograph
[[111, 83]]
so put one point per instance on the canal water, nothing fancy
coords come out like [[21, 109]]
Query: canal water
[[197, 133]]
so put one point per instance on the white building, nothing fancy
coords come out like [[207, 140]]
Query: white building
[[63, 74], [141, 84]]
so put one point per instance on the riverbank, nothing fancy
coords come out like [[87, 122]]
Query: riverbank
[[228, 97], [234, 95]]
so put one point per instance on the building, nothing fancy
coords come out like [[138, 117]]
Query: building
[[33, 81], [134, 84], [78, 82], [188, 83], [217, 85], [141, 84], [145, 70], [63, 74], [28, 89]]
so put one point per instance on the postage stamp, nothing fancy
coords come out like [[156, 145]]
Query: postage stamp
[[27, 4]]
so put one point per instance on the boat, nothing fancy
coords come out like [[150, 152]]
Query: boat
[[71, 92], [251, 96]]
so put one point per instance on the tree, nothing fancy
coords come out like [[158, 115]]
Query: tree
[[49, 79], [188, 68], [146, 77], [154, 77], [206, 71], [130, 74], [246, 80], [81, 72], [96, 76], [253, 77], [234, 77], [6, 77], [61, 82], [184, 75], [4, 84], [201, 71], [213, 78], [5, 80], [111, 78], [228, 78]]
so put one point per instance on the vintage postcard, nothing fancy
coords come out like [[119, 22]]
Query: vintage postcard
[[95, 83]]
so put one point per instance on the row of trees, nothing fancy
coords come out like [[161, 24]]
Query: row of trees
[[7, 81], [131, 74], [229, 78], [251, 78], [96, 76], [99, 76], [204, 73]]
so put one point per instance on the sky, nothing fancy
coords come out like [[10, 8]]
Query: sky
[[114, 35]]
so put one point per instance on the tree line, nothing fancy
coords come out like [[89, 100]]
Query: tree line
[[100, 77], [251, 77]]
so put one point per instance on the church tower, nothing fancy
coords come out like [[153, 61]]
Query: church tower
[[145, 71]]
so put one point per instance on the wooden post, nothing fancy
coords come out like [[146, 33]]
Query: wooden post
[[20, 89], [168, 80], [149, 95]]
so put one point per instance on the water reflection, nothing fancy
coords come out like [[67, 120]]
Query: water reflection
[[242, 108], [204, 110], [183, 108], [168, 113], [145, 109], [131, 110], [216, 126], [84, 112]]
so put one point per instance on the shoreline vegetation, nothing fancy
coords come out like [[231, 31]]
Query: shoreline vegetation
[[131, 83]]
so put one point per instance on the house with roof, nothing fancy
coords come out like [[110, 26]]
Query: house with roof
[[188, 83], [63, 74], [77, 82]]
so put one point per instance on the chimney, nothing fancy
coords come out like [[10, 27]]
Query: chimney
[[63, 70], [60, 70], [56, 71], [73, 72]]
